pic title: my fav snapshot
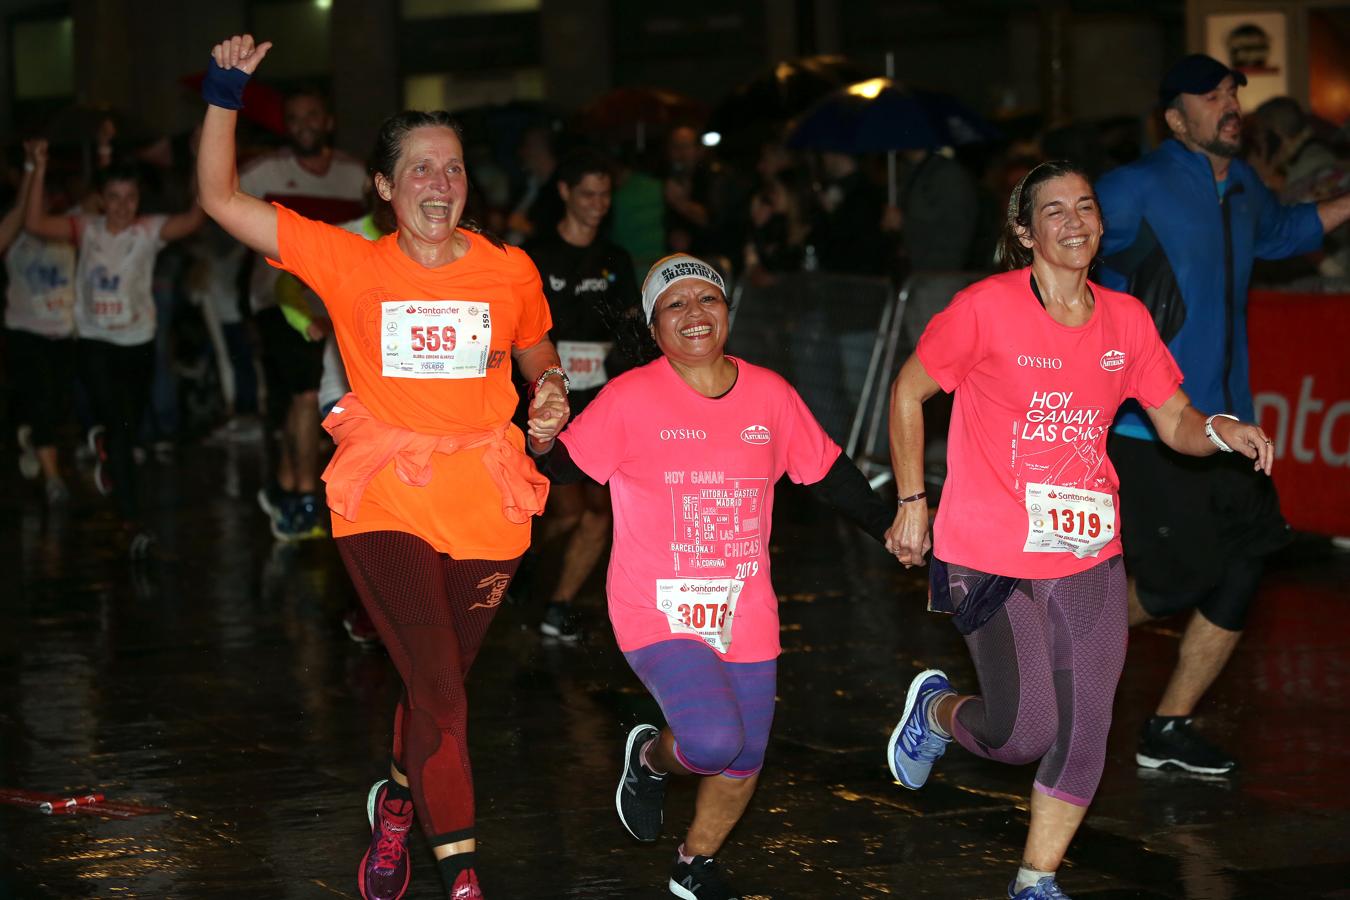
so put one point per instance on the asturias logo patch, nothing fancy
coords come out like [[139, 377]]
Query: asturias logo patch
[[1113, 360], [756, 434]]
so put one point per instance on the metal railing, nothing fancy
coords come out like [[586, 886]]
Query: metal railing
[[840, 340]]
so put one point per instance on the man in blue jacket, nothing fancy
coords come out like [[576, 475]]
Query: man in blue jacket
[[1183, 227]]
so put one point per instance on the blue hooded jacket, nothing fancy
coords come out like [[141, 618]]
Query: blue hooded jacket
[[1184, 244]]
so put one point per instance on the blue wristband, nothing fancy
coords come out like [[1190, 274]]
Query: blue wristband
[[224, 87]]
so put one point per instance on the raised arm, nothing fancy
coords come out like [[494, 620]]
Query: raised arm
[[11, 224], [36, 221], [908, 536], [248, 219], [1182, 427]]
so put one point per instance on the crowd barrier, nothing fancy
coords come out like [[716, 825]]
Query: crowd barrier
[[840, 340], [1301, 381]]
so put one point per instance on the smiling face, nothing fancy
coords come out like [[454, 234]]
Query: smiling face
[[587, 202], [429, 186], [1210, 122], [308, 124], [1066, 225], [121, 200], [690, 321]]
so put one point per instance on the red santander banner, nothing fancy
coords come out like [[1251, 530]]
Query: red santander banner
[[1299, 346]]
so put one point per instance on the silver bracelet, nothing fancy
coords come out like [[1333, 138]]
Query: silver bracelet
[[553, 370], [1213, 435]]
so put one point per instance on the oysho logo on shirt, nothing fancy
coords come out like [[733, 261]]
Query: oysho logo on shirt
[[683, 434], [1113, 360], [756, 434], [1040, 362]]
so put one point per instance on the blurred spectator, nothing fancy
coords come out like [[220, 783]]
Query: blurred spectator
[[703, 212], [319, 182], [39, 327], [845, 231], [780, 214], [213, 286], [537, 205], [1291, 158], [115, 315], [638, 213], [939, 210]]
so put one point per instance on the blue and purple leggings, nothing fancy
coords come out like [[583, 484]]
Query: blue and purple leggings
[[720, 712], [1048, 664]]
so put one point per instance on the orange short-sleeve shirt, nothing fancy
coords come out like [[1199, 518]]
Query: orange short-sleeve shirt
[[460, 511]]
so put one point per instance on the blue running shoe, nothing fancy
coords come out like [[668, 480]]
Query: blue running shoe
[[915, 745], [1045, 889]]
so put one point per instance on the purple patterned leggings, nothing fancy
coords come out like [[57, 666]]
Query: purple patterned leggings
[[719, 712], [1048, 664]]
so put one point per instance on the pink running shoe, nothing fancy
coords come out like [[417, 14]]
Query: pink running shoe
[[466, 887], [385, 868]]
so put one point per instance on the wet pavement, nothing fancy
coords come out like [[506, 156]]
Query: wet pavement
[[217, 685]]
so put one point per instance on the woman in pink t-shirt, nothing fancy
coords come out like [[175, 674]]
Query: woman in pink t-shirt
[[690, 446], [1026, 546]]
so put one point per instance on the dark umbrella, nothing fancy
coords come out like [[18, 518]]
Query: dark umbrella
[[880, 115], [786, 90], [637, 111]]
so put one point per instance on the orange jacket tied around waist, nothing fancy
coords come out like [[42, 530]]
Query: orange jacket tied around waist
[[365, 445]]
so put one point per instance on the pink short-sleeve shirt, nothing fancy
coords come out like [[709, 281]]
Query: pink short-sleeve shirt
[[691, 479], [1033, 402]]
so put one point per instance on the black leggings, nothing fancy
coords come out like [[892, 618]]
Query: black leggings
[[42, 382], [117, 380], [432, 612]]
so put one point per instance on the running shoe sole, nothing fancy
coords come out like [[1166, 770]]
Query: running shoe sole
[[618, 794], [911, 697], [274, 519], [102, 480], [365, 640], [1152, 762], [554, 631], [370, 801], [30, 467], [683, 892], [370, 816], [266, 505]]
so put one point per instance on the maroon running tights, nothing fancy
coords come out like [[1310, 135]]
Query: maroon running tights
[[431, 612]]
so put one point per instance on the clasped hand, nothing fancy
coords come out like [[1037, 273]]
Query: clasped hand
[[548, 414], [909, 538]]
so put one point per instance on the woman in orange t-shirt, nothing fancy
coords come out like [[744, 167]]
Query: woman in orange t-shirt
[[431, 492]]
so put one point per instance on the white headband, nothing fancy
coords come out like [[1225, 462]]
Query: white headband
[[670, 270]]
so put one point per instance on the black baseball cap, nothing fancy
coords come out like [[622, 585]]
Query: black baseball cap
[[1195, 74]]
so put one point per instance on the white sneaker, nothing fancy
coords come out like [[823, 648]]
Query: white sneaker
[[29, 465]]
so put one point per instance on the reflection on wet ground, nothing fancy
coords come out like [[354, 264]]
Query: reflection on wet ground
[[218, 684]]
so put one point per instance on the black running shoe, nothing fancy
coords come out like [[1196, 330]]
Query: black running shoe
[[560, 622], [1170, 741], [641, 796], [700, 879]]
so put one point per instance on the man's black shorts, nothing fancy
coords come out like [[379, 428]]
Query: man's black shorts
[[1183, 518], [292, 364]]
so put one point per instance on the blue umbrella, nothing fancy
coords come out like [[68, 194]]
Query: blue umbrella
[[878, 116]]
